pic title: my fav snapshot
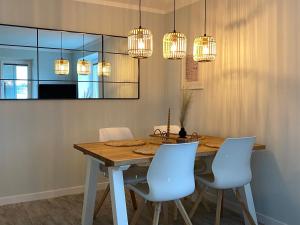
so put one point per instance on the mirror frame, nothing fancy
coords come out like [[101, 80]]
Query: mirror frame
[[37, 47]]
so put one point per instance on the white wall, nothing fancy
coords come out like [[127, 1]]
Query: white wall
[[253, 88], [36, 137]]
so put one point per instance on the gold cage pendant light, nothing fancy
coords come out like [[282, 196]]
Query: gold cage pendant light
[[104, 68], [140, 41], [83, 66], [174, 43], [205, 47], [61, 66]]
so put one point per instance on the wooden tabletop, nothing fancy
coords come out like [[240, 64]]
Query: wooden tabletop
[[117, 156]]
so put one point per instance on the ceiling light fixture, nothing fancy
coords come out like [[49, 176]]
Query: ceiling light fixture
[[140, 40], [174, 43], [205, 47]]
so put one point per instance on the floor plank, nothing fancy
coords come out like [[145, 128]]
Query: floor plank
[[67, 211]]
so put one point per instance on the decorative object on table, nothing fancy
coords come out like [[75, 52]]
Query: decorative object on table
[[186, 100], [191, 76], [125, 143], [140, 41], [61, 66], [205, 47], [174, 43]]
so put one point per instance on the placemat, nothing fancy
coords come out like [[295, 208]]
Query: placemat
[[213, 145], [125, 143], [147, 150]]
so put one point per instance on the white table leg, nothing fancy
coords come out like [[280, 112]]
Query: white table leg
[[248, 198], [90, 191], [118, 200]]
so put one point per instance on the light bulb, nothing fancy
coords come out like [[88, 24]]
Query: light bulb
[[173, 46], [141, 44], [205, 50]]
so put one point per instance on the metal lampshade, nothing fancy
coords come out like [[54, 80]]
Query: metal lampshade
[[140, 43], [62, 66], [174, 45], [204, 49]]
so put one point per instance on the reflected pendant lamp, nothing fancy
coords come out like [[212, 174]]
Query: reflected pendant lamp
[[174, 43], [205, 47], [61, 66], [104, 68], [140, 40], [83, 66]]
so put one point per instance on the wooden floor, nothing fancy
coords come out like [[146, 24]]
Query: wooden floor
[[67, 211]]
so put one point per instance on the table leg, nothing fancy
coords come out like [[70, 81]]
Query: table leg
[[90, 191], [248, 199], [118, 200]]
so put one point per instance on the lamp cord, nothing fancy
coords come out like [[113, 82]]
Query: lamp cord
[[174, 17], [205, 18], [61, 46], [140, 10], [83, 46]]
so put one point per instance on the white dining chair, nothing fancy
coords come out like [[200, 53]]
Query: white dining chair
[[133, 175], [170, 177], [231, 169], [174, 129]]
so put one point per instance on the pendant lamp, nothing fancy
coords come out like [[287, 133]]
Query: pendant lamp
[[83, 66], [61, 66], [104, 68], [174, 43], [140, 41], [205, 47]]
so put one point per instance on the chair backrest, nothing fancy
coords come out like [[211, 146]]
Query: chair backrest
[[174, 129], [171, 172], [114, 134], [232, 164]]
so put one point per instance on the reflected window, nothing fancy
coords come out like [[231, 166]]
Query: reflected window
[[15, 76]]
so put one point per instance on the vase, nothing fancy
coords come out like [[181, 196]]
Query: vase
[[182, 133]]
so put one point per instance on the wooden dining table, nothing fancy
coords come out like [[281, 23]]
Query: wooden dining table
[[117, 159]]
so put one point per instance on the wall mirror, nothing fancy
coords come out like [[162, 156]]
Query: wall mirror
[[90, 66]]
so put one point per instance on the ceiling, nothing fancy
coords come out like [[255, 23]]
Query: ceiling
[[154, 6]]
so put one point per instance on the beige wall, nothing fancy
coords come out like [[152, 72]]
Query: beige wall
[[36, 137], [253, 88]]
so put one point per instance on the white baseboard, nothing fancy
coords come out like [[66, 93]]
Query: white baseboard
[[46, 194], [235, 207]]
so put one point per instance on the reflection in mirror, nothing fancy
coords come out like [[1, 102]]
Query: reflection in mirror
[[29, 68]]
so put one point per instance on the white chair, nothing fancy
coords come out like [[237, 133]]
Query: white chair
[[231, 169], [170, 177], [174, 129], [133, 175]]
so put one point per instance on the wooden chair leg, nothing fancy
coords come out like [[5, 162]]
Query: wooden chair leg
[[150, 208], [175, 212], [206, 206], [198, 188], [138, 212], [196, 205], [133, 199], [222, 204], [102, 199], [219, 205], [156, 213], [166, 213], [244, 208], [183, 212]]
